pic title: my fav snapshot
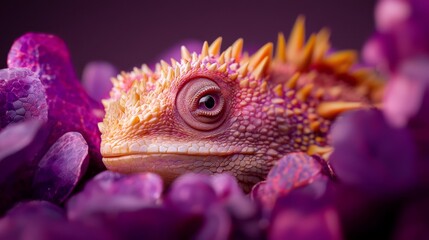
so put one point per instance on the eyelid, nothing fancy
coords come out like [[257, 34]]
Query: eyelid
[[195, 116], [201, 93]]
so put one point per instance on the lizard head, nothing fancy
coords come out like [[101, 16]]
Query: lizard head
[[227, 111]]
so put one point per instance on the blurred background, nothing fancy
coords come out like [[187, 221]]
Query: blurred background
[[128, 33]]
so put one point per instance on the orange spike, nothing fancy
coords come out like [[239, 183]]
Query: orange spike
[[281, 48], [173, 62], [185, 53], [341, 61], [205, 50], [215, 46], [221, 59], [265, 51], [243, 68], [322, 45], [228, 54], [222, 68], [306, 55], [261, 68], [237, 47], [330, 110], [315, 149], [303, 93], [164, 65], [291, 83], [296, 38]]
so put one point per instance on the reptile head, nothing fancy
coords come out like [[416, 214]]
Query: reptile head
[[216, 111]]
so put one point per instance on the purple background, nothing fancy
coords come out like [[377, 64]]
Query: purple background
[[129, 33]]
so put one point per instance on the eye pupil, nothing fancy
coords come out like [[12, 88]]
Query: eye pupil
[[208, 101]]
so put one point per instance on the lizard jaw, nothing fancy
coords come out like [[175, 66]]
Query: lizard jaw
[[168, 165], [170, 159]]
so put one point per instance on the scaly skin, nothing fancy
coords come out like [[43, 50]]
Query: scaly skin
[[226, 112]]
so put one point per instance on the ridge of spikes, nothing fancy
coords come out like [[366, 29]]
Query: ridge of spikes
[[299, 54]]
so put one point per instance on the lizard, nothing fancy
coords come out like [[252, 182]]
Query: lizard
[[228, 111]]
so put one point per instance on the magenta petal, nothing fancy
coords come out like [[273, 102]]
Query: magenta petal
[[414, 221], [96, 79], [45, 221], [19, 145], [390, 13], [300, 216], [191, 193], [22, 97], [226, 186], [245, 215], [403, 33], [371, 155], [216, 224], [61, 168], [406, 90], [70, 107], [146, 223], [292, 171], [31, 211], [112, 192], [174, 51]]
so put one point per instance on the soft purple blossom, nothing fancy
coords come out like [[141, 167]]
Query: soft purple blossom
[[114, 192], [61, 168], [96, 79], [22, 97], [19, 145], [70, 107], [292, 171], [373, 156]]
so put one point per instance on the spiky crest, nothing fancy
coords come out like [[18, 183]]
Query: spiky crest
[[297, 53]]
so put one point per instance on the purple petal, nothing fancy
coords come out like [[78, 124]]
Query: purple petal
[[174, 51], [19, 145], [225, 186], [371, 155], [390, 13], [43, 220], [292, 171], [146, 223], [61, 168], [216, 224], [300, 215], [191, 193], [70, 107], [22, 97], [413, 221], [112, 192], [96, 79], [30, 211], [405, 91], [245, 216], [403, 33]]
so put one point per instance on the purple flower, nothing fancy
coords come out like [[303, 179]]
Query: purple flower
[[43, 220], [112, 192], [413, 221], [61, 168], [96, 79], [403, 33], [22, 97], [371, 155], [70, 107], [293, 171], [19, 145], [305, 214]]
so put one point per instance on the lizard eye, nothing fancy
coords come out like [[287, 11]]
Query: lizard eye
[[201, 104]]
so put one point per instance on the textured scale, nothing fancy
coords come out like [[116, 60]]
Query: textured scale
[[272, 107]]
